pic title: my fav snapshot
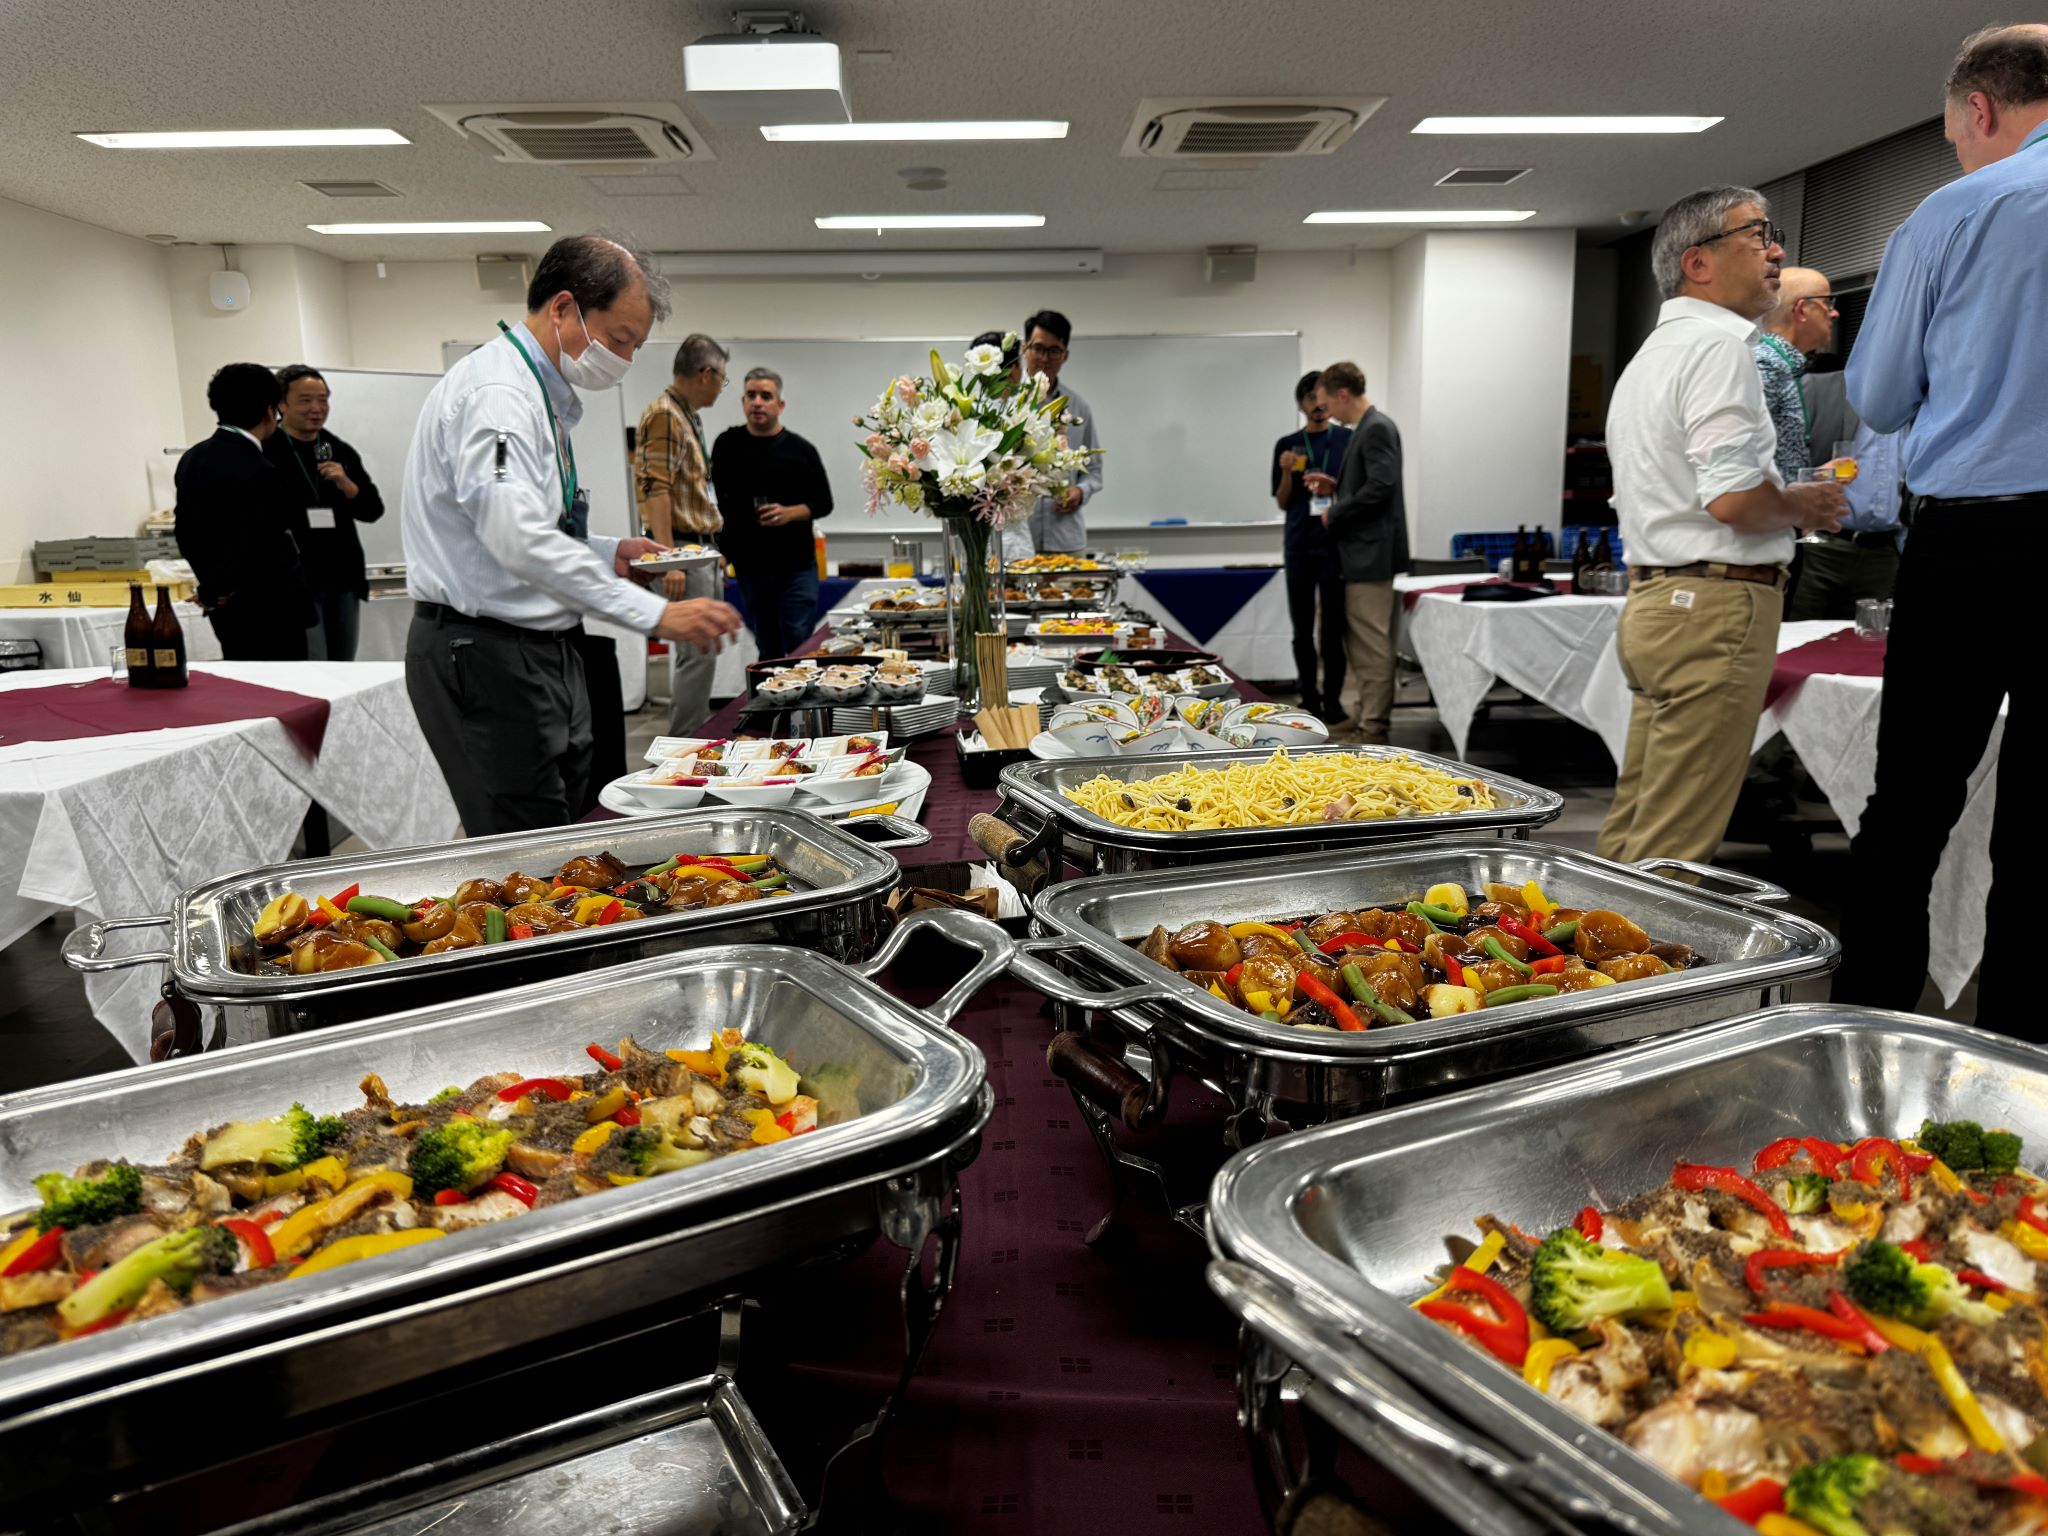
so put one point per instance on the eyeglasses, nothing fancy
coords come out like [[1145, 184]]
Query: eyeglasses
[[1046, 352], [1826, 301], [1767, 234]]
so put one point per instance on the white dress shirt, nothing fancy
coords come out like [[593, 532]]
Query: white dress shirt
[[489, 545], [1687, 425]]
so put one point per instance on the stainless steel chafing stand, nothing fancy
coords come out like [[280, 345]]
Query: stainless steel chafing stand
[[843, 882], [1322, 1240], [1121, 1063]]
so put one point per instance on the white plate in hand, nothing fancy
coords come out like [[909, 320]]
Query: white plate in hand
[[678, 560]]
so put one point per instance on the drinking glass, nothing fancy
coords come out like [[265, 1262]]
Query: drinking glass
[[117, 661], [1873, 618], [1822, 475]]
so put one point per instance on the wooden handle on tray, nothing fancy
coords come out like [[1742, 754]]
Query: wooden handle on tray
[[994, 836], [1107, 1084]]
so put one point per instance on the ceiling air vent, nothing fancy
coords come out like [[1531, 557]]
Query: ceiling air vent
[[350, 188], [1244, 128], [576, 135], [1483, 176]]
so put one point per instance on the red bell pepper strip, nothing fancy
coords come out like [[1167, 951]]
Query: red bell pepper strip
[[1753, 1500], [1350, 938], [1870, 1154], [1826, 1156], [1867, 1334], [1505, 1335], [1784, 1314], [1395, 941], [521, 930], [255, 1239], [111, 1320], [451, 1197], [1550, 965], [320, 919], [610, 914], [40, 1254], [1982, 1281], [519, 1189], [1921, 1250], [1765, 1259], [2030, 1216], [1698, 1176], [1230, 976], [2032, 1484], [1335, 1006], [1538, 945], [603, 1057], [552, 1087], [787, 1120], [1454, 973], [627, 1116], [1589, 1224]]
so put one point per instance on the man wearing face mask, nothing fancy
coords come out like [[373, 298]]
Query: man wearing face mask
[[500, 560]]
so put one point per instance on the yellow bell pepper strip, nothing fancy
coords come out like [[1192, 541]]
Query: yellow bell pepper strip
[[709, 871], [1543, 1355], [605, 1107], [1217, 991], [329, 1170], [1246, 930], [1709, 1350], [1960, 1398], [703, 1063], [1944, 1176], [765, 1128], [1480, 1259], [1538, 903], [369, 1245], [299, 1229], [329, 913], [593, 1138], [1778, 1523]]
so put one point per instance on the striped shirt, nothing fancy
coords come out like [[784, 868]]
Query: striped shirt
[[671, 469]]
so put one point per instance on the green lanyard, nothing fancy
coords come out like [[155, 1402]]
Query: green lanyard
[[565, 469], [1315, 464], [292, 447], [1792, 362]]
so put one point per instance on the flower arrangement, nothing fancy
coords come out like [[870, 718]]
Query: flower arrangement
[[975, 449]]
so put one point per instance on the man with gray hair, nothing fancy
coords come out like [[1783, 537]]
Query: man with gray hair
[[500, 560], [672, 482], [1954, 350], [1709, 524], [772, 484]]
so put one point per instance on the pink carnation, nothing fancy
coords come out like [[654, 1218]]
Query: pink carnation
[[899, 464], [913, 473], [919, 447], [877, 442]]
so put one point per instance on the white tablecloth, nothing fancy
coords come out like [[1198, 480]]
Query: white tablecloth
[[116, 826], [86, 637], [1256, 642]]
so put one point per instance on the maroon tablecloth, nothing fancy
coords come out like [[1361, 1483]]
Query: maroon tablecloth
[[1845, 653], [107, 707]]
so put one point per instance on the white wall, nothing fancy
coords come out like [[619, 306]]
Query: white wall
[[298, 313], [1400, 389], [325, 341], [89, 393], [1484, 436]]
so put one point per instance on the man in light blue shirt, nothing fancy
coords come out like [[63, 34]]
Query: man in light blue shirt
[[1954, 351], [1832, 572]]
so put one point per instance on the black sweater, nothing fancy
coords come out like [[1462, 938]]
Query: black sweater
[[786, 470], [333, 556]]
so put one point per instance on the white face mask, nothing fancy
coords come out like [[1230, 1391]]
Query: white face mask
[[598, 368]]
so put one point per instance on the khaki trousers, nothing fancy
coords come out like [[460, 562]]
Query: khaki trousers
[[1697, 652], [1369, 656]]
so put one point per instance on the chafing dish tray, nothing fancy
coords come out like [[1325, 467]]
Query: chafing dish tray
[[1275, 1072], [689, 1460], [1055, 826], [295, 1355], [842, 883], [1340, 1226]]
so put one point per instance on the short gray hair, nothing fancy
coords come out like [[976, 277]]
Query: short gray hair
[[2008, 64], [1689, 221], [765, 373], [697, 353], [595, 270]]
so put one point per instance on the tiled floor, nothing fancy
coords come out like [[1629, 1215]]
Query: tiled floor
[[46, 1034]]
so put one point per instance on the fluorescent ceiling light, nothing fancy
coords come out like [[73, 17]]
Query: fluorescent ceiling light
[[445, 227], [1565, 124], [248, 138], [892, 133], [778, 62], [1422, 216], [881, 221]]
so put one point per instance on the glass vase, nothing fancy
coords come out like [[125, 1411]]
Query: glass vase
[[974, 601]]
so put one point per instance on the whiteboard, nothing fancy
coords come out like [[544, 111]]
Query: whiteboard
[[1188, 422], [375, 412]]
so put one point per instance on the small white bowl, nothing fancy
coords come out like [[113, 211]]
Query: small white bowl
[[1154, 740], [754, 792], [667, 797], [1088, 737], [1288, 728], [850, 788]]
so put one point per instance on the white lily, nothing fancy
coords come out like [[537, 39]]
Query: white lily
[[957, 450]]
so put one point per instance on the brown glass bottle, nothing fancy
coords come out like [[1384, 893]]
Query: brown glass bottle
[[135, 640], [167, 643]]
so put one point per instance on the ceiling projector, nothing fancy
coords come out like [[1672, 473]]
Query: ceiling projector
[[770, 71]]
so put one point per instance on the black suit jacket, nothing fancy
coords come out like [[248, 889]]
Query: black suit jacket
[[1368, 518], [235, 516], [333, 557]]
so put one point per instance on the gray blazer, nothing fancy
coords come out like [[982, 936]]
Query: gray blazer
[[1368, 519], [1830, 418]]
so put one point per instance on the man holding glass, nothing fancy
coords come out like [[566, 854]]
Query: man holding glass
[[1708, 522], [1057, 526], [772, 487], [1954, 350]]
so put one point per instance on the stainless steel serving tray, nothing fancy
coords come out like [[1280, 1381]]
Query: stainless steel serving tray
[[287, 1354], [1344, 1223], [1305, 1076], [1034, 805], [838, 912]]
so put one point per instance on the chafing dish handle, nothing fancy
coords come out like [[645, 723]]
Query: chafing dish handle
[[1741, 887], [83, 945], [1106, 1082], [904, 833]]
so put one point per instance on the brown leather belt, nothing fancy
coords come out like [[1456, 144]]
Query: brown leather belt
[[1762, 575]]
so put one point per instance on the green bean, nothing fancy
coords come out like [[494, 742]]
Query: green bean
[[1520, 994], [379, 906]]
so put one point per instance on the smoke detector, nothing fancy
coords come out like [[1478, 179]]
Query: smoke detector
[[1245, 127], [577, 133]]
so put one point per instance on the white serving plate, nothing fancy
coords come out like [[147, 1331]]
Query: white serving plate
[[679, 560], [908, 794]]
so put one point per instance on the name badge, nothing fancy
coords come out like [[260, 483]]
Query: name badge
[[319, 517]]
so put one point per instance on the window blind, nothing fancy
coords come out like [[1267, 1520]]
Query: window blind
[[1853, 202]]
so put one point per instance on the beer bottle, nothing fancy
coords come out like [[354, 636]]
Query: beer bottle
[[135, 640], [167, 642], [1604, 556], [1582, 557]]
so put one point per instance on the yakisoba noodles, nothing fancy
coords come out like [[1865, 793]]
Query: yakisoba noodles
[[1282, 791]]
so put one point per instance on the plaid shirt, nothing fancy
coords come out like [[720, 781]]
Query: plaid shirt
[[671, 469]]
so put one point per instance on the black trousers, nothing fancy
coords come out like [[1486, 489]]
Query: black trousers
[[1953, 656], [1312, 576], [600, 655], [252, 629], [507, 717]]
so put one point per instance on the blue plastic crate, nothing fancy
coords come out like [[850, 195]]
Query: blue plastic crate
[[1575, 532], [1493, 547]]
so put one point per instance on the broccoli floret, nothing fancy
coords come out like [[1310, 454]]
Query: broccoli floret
[[637, 1146], [1884, 1278], [764, 1072], [1805, 1193], [1576, 1281], [69, 1202], [1827, 1494], [459, 1155], [445, 1095], [177, 1259], [291, 1140], [1967, 1147]]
